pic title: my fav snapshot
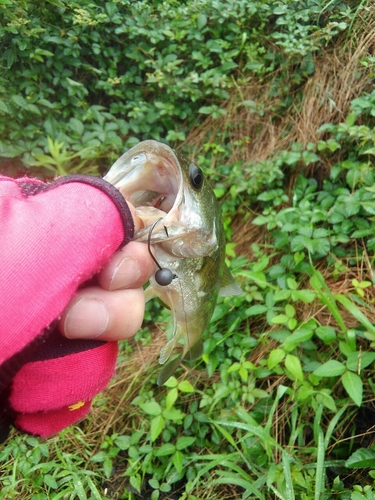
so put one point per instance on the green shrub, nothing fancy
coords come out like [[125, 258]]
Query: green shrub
[[98, 77]]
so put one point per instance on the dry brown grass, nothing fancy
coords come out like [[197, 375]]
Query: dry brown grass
[[338, 78]]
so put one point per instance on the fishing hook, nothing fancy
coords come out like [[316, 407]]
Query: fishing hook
[[163, 276]]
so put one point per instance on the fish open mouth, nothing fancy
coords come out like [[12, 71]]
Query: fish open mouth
[[150, 181]]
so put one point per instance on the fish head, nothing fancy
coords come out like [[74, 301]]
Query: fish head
[[162, 185]]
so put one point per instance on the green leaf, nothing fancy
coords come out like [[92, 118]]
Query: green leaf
[[201, 21], [78, 487], [354, 386], [256, 310], [290, 311], [19, 101], [321, 233], [173, 414], [292, 283], [122, 442], [331, 368], [293, 365], [326, 333], [244, 374], [73, 83], [361, 459], [50, 481], [185, 386], [184, 441], [306, 296], [178, 461], [320, 247], [94, 490], [33, 109], [258, 277], [171, 398], [326, 297], [260, 220], [297, 338], [275, 357], [320, 466], [326, 399], [107, 467], [157, 425], [171, 382], [289, 488], [76, 125], [237, 479], [298, 243], [281, 295], [280, 319], [259, 393], [99, 457], [4, 107], [206, 110], [234, 367], [165, 450], [136, 482], [152, 408], [290, 157], [369, 151], [359, 360]]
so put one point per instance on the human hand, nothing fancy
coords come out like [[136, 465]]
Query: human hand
[[114, 309]]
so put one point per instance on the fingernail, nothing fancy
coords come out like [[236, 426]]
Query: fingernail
[[125, 274], [87, 319]]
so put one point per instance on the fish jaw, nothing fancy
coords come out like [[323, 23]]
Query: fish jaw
[[149, 174]]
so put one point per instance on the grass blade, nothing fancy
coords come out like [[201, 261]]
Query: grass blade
[[357, 313], [319, 482], [288, 476], [233, 478], [326, 297]]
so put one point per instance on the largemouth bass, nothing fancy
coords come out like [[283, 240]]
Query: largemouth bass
[[171, 194]]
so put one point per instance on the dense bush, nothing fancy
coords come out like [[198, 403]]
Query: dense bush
[[100, 76]]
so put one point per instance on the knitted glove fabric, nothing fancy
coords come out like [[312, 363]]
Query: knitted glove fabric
[[53, 238]]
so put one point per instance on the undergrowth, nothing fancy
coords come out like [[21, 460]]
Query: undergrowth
[[100, 77], [281, 404]]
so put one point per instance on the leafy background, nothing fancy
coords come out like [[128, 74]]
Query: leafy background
[[276, 101]]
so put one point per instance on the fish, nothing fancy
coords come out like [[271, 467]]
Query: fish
[[184, 225]]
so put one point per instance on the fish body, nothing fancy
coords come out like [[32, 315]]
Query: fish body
[[188, 239]]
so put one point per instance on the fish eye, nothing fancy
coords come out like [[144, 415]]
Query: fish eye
[[196, 176]]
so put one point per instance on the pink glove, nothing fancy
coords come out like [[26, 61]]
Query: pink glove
[[53, 238]]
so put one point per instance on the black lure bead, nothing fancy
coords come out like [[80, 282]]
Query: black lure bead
[[164, 277]]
